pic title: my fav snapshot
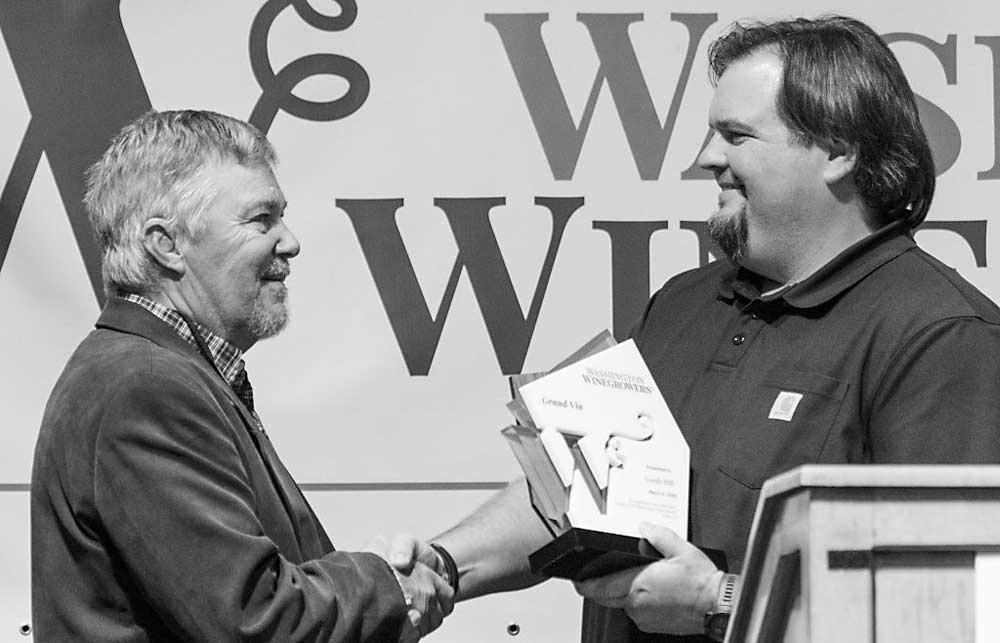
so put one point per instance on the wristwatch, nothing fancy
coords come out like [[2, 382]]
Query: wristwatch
[[717, 618]]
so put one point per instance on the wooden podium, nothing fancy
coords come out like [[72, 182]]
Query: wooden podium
[[870, 553]]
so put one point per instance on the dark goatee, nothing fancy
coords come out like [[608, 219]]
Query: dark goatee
[[729, 232]]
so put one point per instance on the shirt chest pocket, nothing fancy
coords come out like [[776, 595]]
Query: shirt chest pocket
[[785, 425]]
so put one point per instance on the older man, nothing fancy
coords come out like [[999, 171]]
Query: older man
[[160, 510], [827, 336]]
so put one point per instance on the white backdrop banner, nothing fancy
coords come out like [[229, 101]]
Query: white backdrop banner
[[479, 186]]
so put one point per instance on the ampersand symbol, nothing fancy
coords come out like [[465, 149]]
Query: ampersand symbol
[[277, 87]]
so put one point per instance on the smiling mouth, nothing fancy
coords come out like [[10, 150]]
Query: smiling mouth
[[279, 278], [728, 190], [731, 196], [277, 271]]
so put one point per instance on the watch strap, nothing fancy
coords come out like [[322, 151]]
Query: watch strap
[[717, 618]]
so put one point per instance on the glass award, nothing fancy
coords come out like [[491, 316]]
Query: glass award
[[602, 453]]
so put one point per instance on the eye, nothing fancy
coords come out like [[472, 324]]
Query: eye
[[735, 137], [263, 220]]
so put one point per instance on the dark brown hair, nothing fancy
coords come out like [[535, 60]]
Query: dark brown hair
[[842, 84]]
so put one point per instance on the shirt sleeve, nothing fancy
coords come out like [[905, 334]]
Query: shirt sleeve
[[172, 491], [939, 401]]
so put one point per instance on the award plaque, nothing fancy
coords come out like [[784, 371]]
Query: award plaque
[[602, 454]]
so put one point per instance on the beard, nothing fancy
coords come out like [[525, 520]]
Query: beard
[[267, 319], [729, 232]]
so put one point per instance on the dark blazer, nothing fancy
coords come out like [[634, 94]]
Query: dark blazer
[[160, 512]]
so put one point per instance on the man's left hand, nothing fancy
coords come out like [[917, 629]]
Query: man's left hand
[[669, 596]]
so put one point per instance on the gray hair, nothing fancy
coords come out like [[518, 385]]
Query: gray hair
[[154, 169]]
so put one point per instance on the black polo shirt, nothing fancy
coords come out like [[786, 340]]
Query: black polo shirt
[[885, 355]]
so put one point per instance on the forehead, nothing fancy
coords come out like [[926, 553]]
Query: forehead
[[747, 91]]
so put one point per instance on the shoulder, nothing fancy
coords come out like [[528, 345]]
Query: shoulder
[[950, 290], [919, 287], [132, 362], [119, 389], [114, 377], [921, 311]]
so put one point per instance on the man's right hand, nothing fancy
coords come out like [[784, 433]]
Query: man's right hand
[[669, 596], [431, 600], [416, 565]]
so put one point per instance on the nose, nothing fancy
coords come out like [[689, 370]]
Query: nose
[[712, 156], [288, 244]]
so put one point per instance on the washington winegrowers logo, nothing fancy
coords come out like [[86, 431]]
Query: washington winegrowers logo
[[81, 84]]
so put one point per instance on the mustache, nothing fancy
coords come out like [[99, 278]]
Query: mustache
[[278, 269]]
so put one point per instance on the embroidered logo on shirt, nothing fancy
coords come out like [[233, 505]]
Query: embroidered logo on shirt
[[784, 406]]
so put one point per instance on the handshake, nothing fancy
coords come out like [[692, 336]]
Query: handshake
[[425, 578], [671, 595]]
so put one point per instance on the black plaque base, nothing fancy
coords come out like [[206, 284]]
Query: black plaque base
[[580, 554]]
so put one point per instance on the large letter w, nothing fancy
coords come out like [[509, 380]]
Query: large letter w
[[418, 332], [561, 138]]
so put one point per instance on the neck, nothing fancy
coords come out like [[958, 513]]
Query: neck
[[806, 249], [171, 298], [171, 295]]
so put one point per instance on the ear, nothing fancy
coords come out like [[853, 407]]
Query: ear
[[162, 246], [843, 159]]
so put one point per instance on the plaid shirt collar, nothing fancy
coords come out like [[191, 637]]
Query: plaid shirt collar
[[227, 358]]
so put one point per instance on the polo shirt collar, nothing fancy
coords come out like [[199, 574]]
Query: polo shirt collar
[[843, 271]]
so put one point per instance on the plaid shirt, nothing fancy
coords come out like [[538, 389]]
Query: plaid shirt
[[226, 357]]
